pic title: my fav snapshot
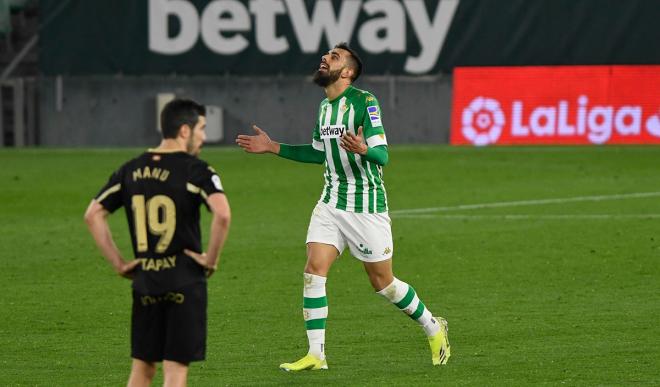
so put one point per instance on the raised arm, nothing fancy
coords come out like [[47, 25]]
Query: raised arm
[[262, 143]]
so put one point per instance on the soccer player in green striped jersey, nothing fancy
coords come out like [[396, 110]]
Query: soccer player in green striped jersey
[[349, 139]]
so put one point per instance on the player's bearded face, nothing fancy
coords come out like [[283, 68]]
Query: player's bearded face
[[190, 146], [325, 78], [197, 137]]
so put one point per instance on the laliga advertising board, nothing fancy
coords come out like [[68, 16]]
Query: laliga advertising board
[[549, 105]]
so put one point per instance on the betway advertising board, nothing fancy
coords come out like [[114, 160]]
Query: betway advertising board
[[547, 105], [403, 37], [240, 36]]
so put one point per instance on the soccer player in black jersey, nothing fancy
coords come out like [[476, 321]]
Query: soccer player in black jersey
[[161, 191]]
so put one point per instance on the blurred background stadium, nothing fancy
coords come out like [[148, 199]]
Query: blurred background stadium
[[548, 251], [82, 73]]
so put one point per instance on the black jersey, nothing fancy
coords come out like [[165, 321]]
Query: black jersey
[[161, 193]]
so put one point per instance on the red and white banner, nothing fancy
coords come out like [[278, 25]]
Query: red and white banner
[[556, 105]]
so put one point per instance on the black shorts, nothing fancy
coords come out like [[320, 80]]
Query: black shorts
[[170, 326]]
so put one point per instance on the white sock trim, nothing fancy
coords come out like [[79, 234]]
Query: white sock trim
[[395, 291], [314, 286], [432, 327], [316, 338]]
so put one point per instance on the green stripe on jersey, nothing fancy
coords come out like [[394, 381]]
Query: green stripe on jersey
[[341, 175], [328, 183], [372, 205], [339, 168], [381, 201], [358, 182]]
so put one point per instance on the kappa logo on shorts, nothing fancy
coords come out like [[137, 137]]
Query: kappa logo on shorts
[[387, 251]]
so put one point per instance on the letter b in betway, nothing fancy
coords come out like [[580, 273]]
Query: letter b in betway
[[235, 18], [159, 39]]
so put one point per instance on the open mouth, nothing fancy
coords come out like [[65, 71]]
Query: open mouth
[[323, 67]]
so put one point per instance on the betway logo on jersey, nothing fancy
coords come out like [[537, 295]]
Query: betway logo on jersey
[[332, 131], [226, 27], [556, 105]]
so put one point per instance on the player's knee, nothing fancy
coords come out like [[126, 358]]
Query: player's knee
[[316, 269], [379, 281], [144, 369], [150, 372], [174, 374], [173, 367]]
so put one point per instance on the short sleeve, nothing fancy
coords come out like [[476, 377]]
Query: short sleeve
[[374, 132], [204, 180], [110, 195]]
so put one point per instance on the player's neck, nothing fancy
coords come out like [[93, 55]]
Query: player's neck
[[336, 89], [171, 145]]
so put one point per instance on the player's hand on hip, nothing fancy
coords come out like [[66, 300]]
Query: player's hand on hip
[[259, 143], [354, 142], [126, 269], [203, 260]]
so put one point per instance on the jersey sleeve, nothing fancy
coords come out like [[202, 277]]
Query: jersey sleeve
[[204, 180], [372, 125], [110, 195], [317, 143]]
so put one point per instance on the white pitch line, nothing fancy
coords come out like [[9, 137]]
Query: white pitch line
[[531, 216], [526, 203]]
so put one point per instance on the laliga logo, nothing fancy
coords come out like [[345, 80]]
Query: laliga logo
[[483, 121]]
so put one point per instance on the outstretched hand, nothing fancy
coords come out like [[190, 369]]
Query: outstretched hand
[[354, 142], [204, 261], [259, 143]]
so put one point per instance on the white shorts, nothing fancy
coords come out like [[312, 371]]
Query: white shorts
[[368, 236]]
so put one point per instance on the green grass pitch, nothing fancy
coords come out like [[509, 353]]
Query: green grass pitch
[[536, 293]]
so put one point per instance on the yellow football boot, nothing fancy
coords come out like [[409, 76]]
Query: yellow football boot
[[440, 349], [307, 363]]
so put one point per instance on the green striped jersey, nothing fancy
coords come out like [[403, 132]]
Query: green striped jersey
[[351, 182]]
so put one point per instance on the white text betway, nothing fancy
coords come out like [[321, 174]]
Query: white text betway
[[597, 122], [224, 24], [332, 131]]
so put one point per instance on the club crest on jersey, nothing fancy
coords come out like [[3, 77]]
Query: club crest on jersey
[[374, 116], [332, 131]]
